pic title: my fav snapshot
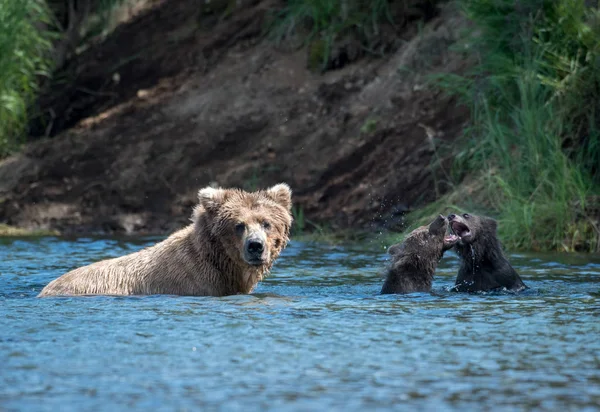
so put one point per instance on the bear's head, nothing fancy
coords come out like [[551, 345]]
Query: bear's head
[[476, 235], [252, 227], [472, 229], [425, 244]]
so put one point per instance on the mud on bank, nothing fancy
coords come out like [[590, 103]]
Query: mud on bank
[[166, 105]]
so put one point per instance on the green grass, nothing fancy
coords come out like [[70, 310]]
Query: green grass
[[303, 226], [29, 32], [24, 58], [535, 100], [11, 231], [319, 24], [345, 237]]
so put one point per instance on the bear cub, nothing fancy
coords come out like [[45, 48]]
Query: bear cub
[[484, 267], [415, 259]]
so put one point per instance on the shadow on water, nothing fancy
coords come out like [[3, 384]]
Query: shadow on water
[[315, 335]]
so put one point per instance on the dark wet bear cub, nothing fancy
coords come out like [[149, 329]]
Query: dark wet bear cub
[[414, 261], [483, 264]]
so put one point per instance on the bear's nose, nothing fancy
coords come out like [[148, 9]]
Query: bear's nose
[[451, 217], [255, 246]]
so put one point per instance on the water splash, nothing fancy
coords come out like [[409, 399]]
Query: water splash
[[473, 258]]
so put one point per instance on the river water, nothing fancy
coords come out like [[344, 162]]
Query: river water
[[315, 335]]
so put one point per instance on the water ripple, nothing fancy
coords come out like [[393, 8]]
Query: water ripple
[[314, 336]]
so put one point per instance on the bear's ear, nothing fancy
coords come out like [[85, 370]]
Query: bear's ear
[[282, 194], [211, 198], [491, 224], [396, 249]]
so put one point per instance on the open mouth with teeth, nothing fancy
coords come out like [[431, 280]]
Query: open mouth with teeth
[[450, 240], [460, 229]]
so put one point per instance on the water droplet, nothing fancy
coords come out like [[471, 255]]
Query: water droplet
[[473, 257]]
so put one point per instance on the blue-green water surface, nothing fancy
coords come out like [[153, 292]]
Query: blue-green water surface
[[315, 335]]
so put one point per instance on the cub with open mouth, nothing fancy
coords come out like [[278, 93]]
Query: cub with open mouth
[[484, 267], [414, 261]]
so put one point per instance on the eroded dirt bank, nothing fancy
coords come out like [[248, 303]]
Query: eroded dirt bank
[[182, 106]]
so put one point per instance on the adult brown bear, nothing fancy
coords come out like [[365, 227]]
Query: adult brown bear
[[234, 238]]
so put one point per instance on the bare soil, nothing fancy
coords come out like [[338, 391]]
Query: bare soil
[[173, 101]]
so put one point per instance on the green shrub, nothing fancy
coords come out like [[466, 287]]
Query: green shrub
[[24, 56], [535, 98], [319, 24]]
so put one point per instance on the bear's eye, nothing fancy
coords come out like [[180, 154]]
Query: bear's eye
[[466, 215], [240, 228], [266, 225]]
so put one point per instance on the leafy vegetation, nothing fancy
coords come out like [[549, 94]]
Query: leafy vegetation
[[11, 231], [25, 48], [303, 226], [536, 113], [36, 37], [320, 24]]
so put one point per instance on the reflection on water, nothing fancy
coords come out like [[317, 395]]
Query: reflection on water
[[314, 336]]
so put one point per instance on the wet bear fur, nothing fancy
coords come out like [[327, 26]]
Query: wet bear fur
[[234, 238], [483, 267], [413, 262]]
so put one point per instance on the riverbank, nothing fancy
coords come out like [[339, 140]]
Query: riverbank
[[178, 98], [181, 107]]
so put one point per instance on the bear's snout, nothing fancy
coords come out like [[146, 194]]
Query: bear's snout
[[254, 250], [255, 247], [438, 226]]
